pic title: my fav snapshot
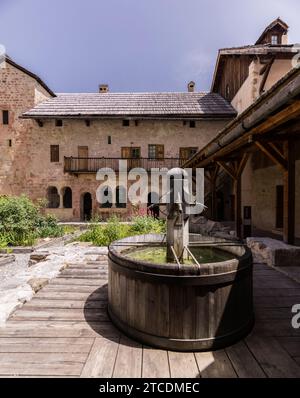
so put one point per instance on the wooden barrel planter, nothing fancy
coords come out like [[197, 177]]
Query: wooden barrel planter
[[183, 308]]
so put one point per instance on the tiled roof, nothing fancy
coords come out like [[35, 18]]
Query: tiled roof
[[164, 105]]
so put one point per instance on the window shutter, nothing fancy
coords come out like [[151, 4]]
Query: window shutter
[[160, 151], [54, 153], [125, 152]]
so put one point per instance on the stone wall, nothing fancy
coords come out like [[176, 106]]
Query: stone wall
[[18, 93]]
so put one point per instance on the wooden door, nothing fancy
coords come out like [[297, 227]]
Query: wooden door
[[83, 154]]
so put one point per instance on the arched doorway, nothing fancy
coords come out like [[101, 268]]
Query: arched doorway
[[67, 198], [52, 198], [153, 204], [86, 206]]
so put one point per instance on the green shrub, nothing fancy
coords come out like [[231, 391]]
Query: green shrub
[[48, 227], [105, 234], [147, 225], [21, 222]]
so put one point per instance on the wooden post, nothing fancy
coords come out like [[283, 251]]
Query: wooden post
[[238, 206], [212, 177], [289, 194]]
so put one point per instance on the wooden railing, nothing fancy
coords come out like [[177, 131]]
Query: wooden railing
[[92, 165]]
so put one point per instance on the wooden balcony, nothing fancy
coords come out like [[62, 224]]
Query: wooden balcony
[[92, 165]]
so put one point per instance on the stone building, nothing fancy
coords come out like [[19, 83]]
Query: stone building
[[53, 144]]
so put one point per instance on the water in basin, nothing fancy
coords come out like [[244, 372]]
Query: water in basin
[[158, 255]]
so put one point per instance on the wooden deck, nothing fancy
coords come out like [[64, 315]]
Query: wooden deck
[[65, 332]]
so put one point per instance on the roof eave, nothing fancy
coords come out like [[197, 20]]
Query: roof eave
[[217, 116]]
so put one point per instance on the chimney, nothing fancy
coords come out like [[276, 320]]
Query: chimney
[[191, 87], [103, 88]]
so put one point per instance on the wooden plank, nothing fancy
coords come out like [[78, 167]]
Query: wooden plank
[[46, 345], [291, 345], [96, 295], [282, 328], [101, 359], [274, 360], [214, 364], [272, 313], [60, 280], [83, 273], [58, 329], [244, 362], [276, 292], [59, 314], [66, 304], [75, 288], [40, 369], [276, 302], [155, 363], [129, 359], [41, 358], [183, 365]]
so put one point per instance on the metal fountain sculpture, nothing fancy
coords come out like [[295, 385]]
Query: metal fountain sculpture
[[178, 217]]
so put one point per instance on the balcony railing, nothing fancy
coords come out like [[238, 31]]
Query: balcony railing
[[92, 165]]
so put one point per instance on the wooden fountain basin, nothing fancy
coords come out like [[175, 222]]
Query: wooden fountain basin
[[183, 308]]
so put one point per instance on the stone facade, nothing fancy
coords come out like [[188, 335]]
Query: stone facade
[[18, 93], [26, 167]]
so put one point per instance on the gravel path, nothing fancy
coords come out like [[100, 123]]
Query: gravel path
[[18, 279]]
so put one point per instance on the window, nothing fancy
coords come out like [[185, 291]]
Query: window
[[106, 198], [126, 123], [121, 198], [53, 198], [54, 153], [87, 123], [192, 124], [67, 198], [187, 153], [136, 123], [58, 123], [9, 143], [135, 153], [156, 151], [274, 40], [5, 117], [109, 140]]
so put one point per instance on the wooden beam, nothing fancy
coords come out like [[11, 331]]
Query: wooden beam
[[229, 169], [272, 153], [242, 164], [273, 122], [289, 194]]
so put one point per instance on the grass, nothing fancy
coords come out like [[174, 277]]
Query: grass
[[104, 235]]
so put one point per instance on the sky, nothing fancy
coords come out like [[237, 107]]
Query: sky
[[133, 45]]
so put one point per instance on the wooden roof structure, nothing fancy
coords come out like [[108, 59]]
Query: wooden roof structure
[[271, 125]]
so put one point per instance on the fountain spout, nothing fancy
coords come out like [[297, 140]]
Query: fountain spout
[[177, 217]]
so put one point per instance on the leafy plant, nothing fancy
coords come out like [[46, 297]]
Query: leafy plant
[[105, 234], [21, 222]]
